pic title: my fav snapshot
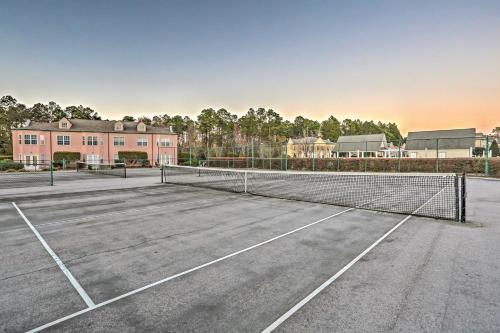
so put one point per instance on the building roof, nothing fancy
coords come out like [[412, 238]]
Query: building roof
[[448, 139], [367, 142], [84, 125]]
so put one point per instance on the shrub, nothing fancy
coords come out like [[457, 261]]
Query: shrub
[[9, 165], [495, 150], [132, 155], [68, 156], [134, 158]]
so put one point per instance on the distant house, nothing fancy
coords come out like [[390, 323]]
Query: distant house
[[97, 141], [370, 145], [443, 143], [310, 147]]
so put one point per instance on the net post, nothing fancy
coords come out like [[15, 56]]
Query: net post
[[246, 180], [124, 170], [463, 198], [457, 199], [486, 161], [51, 173], [162, 173]]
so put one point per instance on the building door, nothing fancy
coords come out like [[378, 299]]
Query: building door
[[30, 161], [93, 159], [165, 159]]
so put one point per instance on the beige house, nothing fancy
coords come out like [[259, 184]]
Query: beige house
[[444, 143], [310, 147]]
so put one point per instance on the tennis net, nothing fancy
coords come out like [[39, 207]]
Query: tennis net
[[430, 195], [116, 169]]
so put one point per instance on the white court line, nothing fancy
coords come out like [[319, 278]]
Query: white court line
[[135, 291], [328, 282], [71, 278], [154, 207]]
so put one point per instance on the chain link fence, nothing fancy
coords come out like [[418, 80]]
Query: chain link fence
[[476, 155]]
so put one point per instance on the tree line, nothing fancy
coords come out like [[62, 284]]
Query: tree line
[[222, 128], [211, 127]]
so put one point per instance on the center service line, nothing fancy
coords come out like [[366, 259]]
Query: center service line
[[135, 291], [71, 278]]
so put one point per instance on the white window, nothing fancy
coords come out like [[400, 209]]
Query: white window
[[42, 139], [142, 142], [83, 140], [92, 140], [442, 154], [119, 141], [42, 157], [63, 140], [164, 142], [64, 125], [30, 139]]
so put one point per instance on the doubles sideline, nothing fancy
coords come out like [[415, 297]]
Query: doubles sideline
[[332, 279], [83, 294]]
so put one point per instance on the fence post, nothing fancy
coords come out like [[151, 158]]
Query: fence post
[[208, 155], [286, 157], [486, 161], [437, 155], [314, 157], [366, 153], [253, 155], [338, 157], [399, 155], [270, 150], [232, 147]]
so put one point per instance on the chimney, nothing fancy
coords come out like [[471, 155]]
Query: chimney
[[170, 128]]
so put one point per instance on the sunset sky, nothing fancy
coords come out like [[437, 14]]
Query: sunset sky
[[423, 64]]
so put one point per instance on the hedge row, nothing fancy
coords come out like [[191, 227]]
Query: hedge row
[[66, 156], [10, 165], [134, 158], [452, 165]]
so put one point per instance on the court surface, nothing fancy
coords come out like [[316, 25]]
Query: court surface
[[131, 255]]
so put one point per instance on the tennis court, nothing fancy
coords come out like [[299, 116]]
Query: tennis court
[[118, 255]]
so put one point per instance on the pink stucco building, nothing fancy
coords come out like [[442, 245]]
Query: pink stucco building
[[97, 141]]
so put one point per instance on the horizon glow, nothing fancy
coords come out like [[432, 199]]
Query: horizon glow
[[424, 65]]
